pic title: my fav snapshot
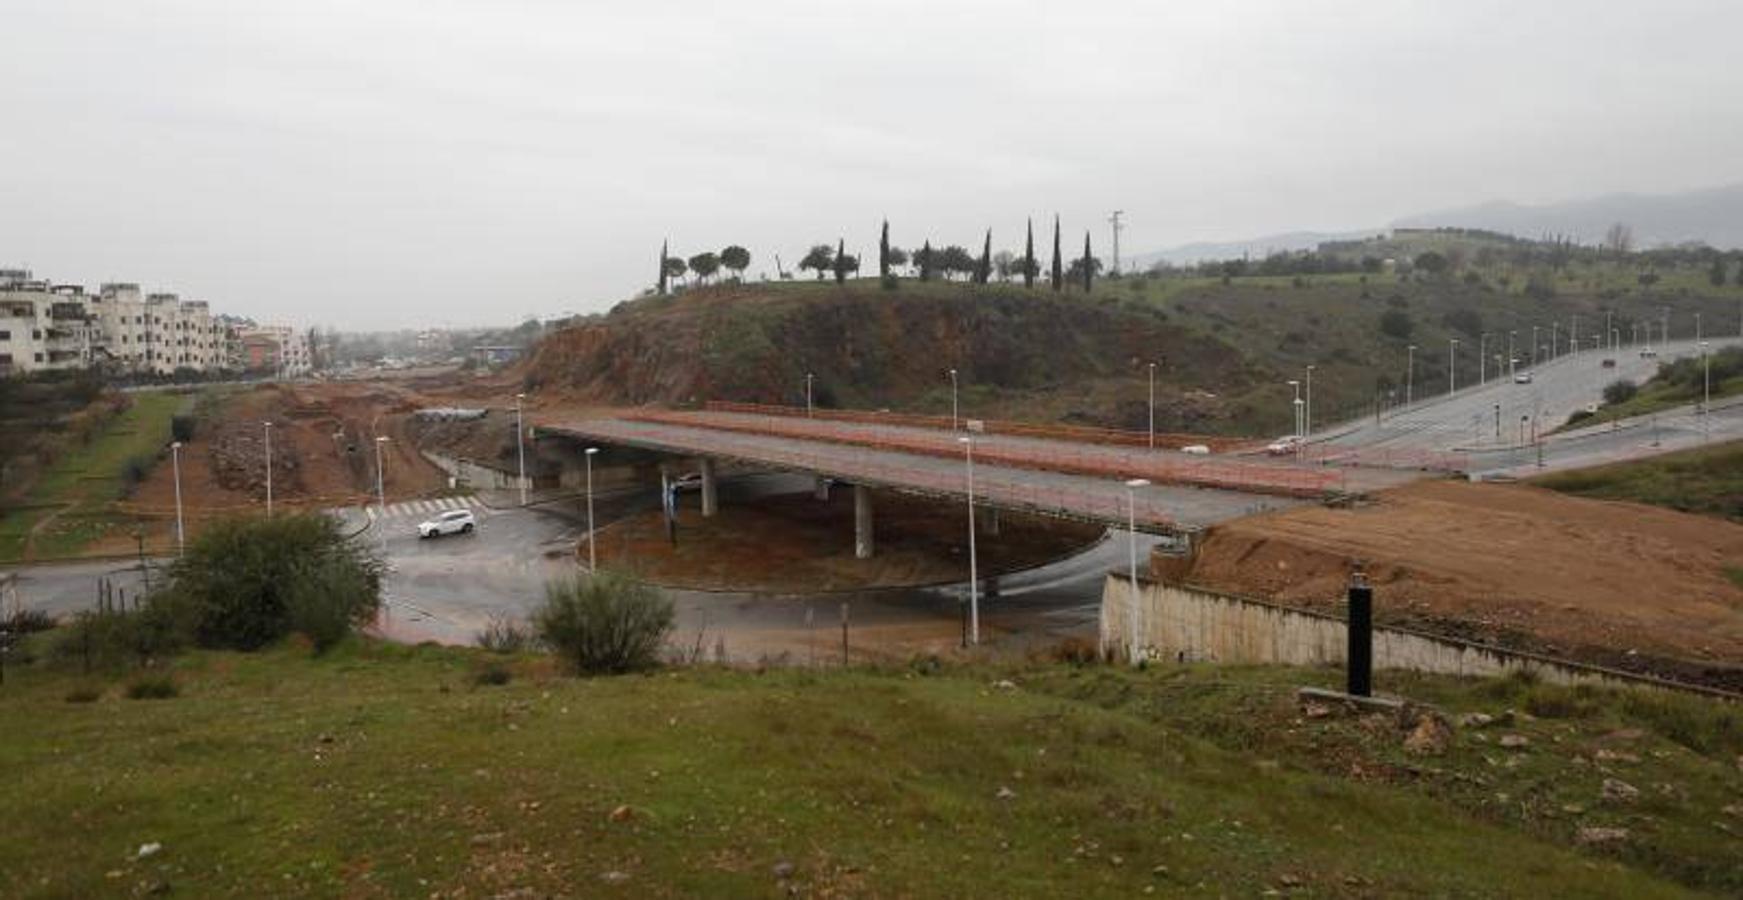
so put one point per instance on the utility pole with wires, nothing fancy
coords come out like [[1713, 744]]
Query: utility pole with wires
[[1119, 226]]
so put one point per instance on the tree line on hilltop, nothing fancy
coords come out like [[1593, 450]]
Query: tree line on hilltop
[[948, 263]]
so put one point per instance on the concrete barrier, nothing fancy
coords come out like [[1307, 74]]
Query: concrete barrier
[[474, 474], [1188, 624]]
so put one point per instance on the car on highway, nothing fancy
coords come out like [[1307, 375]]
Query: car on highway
[[690, 481], [1522, 378], [1608, 363], [1284, 445], [1648, 353], [1196, 449], [454, 521]]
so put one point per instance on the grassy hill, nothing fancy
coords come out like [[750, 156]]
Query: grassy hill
[[1225, 346], [383, 770]]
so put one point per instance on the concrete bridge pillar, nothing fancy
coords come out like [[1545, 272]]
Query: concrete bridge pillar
[[820, 488], [710, 488], [862, 522]]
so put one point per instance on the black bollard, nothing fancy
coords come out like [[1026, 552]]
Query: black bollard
[[1360, 656]]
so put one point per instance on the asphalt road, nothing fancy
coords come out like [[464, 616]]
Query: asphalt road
[[1466, 422]]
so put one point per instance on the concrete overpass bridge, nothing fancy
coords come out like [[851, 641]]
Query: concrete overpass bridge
[[1078, 479]]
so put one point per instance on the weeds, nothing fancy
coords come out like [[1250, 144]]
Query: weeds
[[152, 687]]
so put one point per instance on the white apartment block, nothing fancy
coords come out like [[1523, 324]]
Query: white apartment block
[[278, 348], [44, 327]]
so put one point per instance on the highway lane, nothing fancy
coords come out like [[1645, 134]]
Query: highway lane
[[1502, 415]]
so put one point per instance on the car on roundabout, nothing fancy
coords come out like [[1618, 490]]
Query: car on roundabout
[[454, 521]]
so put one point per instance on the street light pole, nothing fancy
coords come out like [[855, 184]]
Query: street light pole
[[1307, 410], [1410, 375], [520, 445], [592, 556], [175, 457], [1452, 367], [380, 491], [953, 407], [1512, 355], [1152, 406], [808, 377], [268, 430], [1534, 345], [1132, 532], [1295, 409], [973, 570]]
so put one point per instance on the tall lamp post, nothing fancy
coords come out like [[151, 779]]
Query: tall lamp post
[[592, 557], [808, 379], [1132, 532], [1410, 375], [175, 457], [1482, 359], [520, 444], [1307, 409], [973, 563], [268, 430], [1295, 409], [953, 407], [1152, 406], [1452, 367], [380, 490]]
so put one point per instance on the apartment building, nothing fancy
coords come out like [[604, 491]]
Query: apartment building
[[46, 326]]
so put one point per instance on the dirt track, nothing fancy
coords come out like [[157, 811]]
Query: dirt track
[[1610, 582]]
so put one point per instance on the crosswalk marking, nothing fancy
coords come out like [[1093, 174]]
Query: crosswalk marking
[[417, 509]]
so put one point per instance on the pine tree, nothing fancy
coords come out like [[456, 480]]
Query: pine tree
[[1058, 264], [1029, 257], [841, 260], [926, 262], [663, 247], [884, 252], [1088, 267], [986, 259]]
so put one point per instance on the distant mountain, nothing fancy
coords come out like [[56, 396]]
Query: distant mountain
[[1712, 215]]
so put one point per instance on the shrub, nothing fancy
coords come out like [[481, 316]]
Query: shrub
[[604, 623], [1620, 392], [28, 621], [492, 675], [505, 634], [181, 428], [1396, 323], [152, 687], [84, 694], [246, 582], [134, 472], [116, 639]]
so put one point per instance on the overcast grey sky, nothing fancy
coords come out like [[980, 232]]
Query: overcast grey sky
[[396, 163]]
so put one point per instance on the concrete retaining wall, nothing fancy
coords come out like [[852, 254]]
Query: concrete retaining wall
[[1187, 624], [475, 475]]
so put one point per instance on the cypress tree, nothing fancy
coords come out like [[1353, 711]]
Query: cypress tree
[[926, 262], [663, 267], [841, 261], [1029, 257], [985, 269], [884, 252], [1088, 270], [1058, 266]]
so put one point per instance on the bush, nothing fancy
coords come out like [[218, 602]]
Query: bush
[[152, 687], [492, 675], [1396, 323], [84, 694], [181, 428], [604, 623], [505, 634], [1620, 392], [27, 621], [119, 638], [134, 472], [247, 582]]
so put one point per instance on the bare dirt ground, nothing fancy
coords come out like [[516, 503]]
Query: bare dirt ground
[[796, 543], [1619, 584]]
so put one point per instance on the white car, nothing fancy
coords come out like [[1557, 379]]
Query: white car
[[1284, 445], [1196, 449], [688, 482], [1522, 378], [454, 521]]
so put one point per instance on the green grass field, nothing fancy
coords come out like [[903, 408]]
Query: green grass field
[[76, 488], [1707, 480], [382, 770]]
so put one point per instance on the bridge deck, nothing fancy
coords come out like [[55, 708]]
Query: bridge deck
[[935, 468]]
